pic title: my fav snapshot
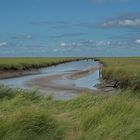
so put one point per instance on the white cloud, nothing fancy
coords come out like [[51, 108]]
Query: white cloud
[[63, 44], [123, 23], [2, 44], [102, 43], [28, 36], [138, 41], [93, 44]]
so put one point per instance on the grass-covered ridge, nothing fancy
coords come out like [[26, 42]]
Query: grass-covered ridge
[[30, 63], [124, 71], [26, 116]]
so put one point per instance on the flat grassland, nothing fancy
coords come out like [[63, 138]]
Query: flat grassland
[[30, 63], [14, 67], [25, 116]]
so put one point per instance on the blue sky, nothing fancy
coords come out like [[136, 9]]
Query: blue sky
[[69, 28]]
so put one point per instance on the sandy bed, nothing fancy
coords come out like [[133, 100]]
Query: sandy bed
[[80, 74], [53, 81]]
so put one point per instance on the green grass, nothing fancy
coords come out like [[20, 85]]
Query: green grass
[[26, 116], [30, 63], [125, 71]]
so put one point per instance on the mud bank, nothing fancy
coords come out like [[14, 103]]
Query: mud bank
[[66, 80]]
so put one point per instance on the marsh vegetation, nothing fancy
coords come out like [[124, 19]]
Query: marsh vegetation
[[124, 72], [24, 115], [28, 116], [30, 63]]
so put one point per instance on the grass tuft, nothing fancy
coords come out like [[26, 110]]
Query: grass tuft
[[29, 123], [88, 117]]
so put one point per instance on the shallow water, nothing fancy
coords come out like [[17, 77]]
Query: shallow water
[[87, 81]]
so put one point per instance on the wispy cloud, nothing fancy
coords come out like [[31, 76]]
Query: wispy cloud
[[3, 44], [68, 35], [46, 22], [122, 23], [63, 44], [93, 47], [63, 24], [132, 20], [130, 15], [86, 24], [52, 24], [138, 41], [126, 19], [28, 36], [94, 44]]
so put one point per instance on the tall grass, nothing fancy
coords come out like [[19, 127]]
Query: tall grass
[[88, 117], [21, 118], [27, 116], [29, 123], [125, 71], [117, 118]]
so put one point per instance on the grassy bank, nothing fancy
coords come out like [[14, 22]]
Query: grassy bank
[[26, 116], [125, 72], [30, 63]]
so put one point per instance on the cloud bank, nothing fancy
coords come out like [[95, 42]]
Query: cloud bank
[[3, 44], [138, 41], [68, 35], [122, 23]]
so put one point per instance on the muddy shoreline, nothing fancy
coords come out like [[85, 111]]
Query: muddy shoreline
[[17, 73]]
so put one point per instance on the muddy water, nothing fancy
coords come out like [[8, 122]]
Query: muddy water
[[63, 81]]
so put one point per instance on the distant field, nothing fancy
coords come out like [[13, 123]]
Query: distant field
[[29, 63], [125, 71]]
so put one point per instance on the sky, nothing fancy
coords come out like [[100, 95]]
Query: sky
[[41, 28]]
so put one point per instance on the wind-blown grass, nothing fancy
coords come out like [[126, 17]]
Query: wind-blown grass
[[29, 123], [115, 118], [87, 117], [21, 118], [25, 116]]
